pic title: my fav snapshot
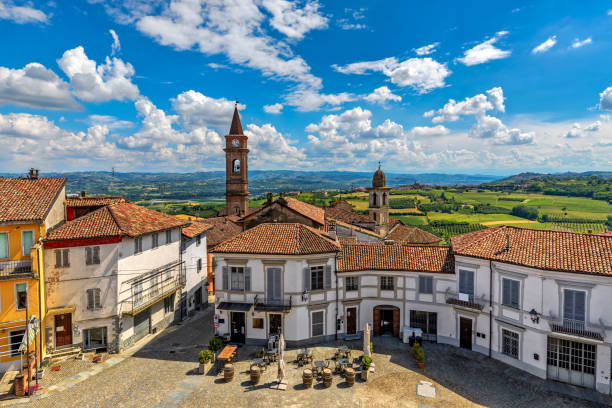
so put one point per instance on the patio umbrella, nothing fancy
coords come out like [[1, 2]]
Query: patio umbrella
[[366, 340], [281, 361]]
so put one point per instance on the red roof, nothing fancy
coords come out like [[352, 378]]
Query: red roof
[[195, 228], [24, 199], [308, 210], [412, 235], [236, 126], [541, 249], [349, 217], [279, 239], [395, 257], [93, 201], [121, 219]]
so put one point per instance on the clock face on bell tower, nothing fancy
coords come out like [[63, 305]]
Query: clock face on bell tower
[[236, 169]]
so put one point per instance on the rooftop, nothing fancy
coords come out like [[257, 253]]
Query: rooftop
[[279, 239], [222, 230], [24, 199], [412, 235], [93, 201], [195, 228], [540, 249]]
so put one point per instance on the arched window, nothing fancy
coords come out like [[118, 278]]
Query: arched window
[[237, 210], [384, 200], [236, 166], [374, 204], [374, 215]]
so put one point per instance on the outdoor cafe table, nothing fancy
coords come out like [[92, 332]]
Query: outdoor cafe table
[[344, 351], [259, 362], [225, 354], [305, 355], [318, 366], [344, 363]]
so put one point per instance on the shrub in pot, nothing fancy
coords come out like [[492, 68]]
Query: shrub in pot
[[366, 362], [205, 359], [420, 357], [215, 344], [415, 349]]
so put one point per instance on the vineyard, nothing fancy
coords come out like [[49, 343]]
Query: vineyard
[[447, 229]]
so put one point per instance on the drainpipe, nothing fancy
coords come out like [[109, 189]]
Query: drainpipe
[[336, 273], [490, 307]]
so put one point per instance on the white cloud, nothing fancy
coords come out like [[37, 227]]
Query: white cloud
[[421, 74], [269, 147], [35, 86], [485, 51], [488, 127], [427, 49], [351, 21], [475, 105], [110, 122], [98, 83], [427, 131], [293, 21], [578, 131], [577, 43], [610, 12], [273, 109], [116, 46], [21, 14], [198, 110], [308, 99], [382, 95], [545, 46], [605, 99]]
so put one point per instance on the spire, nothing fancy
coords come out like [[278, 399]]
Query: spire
[[236, 127]]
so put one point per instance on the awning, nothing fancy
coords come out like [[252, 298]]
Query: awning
[[61, 310], [234, 306]]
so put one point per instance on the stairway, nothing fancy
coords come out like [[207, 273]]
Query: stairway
[[64, 353]]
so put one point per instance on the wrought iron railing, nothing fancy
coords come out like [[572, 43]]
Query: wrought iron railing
[[146, 292], [576, 328], [266, 303], [463, 300], [15, 267]]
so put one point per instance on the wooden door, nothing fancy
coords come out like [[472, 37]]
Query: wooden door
[[396, 322], [465, 333], [238, 327], [63, 330], [351, 320], [142, 324], [376, 322]]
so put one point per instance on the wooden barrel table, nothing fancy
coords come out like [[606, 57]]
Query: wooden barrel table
[[327, 377], [255, 374], [307, 378], [349, 375], [228, 372]]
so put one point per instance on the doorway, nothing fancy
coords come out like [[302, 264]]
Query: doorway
[[465, 333], [275, 324], [351, 320], [426, 321], [238, 327], [198, 297], [142, 324], [63, 330], [386, 320]]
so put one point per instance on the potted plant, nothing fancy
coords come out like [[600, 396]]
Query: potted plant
[[215, 345], [205, 358], [420, 357], [415, 348], [371, 348], [366, 362]]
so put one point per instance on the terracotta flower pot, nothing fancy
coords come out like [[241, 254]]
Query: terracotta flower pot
[[421, 364]]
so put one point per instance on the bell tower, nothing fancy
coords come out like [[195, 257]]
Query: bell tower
[[236, 169], [378, 208]]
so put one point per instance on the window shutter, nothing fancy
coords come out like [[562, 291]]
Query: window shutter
[[225, 278], [277, 283], [271, 281], [306, 279], [506, 291], [90, 299], [462, 281], [66, 257], [96, 255], [247, 279], [579, 306], [88, 256], [328, 279], [568, 304], [97, 299], [515, 293], [58, 258]]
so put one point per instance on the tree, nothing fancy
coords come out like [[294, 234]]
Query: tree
[[524, 211]]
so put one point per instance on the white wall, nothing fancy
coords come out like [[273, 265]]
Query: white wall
[[195, 279], [57, 214]]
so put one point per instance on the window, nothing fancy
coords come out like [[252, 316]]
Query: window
[[510, 343], [318, 323], [237, 277], [316, 277], [62, 258], [154, 240], [137, 291], [386, 283], [92, 255], [94, 338], [236, 166], [137, 245], [351, 282], [574, 308], [466, 282], [198, 239], [21, 295], [93, 299], [168, 236], [27, 240], [16, 337], [4, 245], [199, 264], [258, 323], [425, 284], [563, 353], [155, 285], [169, 304], [511, 293]]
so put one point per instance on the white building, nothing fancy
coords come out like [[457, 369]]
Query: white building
[[113, 276], [194, 255]]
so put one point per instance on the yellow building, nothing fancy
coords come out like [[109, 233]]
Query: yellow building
[[29, 207]]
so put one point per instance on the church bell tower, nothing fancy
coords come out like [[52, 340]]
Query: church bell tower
[[236, 168]]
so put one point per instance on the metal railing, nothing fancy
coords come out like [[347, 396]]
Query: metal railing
[[463, 300], [577, 328], [573, 324], [272, 304], [15, 267], [158, 286]]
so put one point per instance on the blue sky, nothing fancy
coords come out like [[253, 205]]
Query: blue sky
[[146, 85]]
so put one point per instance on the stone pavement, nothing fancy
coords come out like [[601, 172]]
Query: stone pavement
[[163, 374]]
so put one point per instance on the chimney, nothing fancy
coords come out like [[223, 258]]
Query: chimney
[[33, 174], [508, 247], [83, 194], [281, 195]]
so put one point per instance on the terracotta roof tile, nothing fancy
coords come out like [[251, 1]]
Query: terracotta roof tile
[[395, 257], [308, 210], [135, 220], [96, 224], [540, 249], [195, 228], [349, 217], [279, 239], [93, 201], [24, 199], [412, 235], [222, 230]]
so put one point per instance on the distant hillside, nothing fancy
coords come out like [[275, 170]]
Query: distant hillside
[[202, 185], [522, 177]]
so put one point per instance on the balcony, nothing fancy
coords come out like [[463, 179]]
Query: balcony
[[15, 268], [272, 305], [146, 290], [464, 301], [575, 328]]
